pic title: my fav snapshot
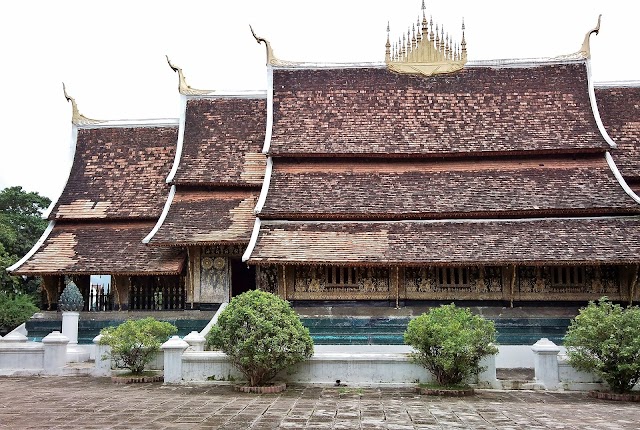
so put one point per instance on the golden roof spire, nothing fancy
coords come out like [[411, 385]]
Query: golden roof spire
[[183, 87], [463, 45], [387, 53], [421, 52], [76, 117]]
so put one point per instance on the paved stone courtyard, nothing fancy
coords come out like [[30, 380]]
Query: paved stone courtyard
[[96, 403]]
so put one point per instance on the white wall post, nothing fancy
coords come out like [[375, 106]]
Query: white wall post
[[55, 352], [103, 365], [173, 349], [488, 375], [195, 340], [70, 330], [545, 360]]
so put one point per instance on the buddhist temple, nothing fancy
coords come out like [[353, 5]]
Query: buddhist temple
[[423, 178]]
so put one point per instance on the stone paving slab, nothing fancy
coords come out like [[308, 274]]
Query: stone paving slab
[[96, 403]]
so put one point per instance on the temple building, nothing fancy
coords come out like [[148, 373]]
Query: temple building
[[424, 178]]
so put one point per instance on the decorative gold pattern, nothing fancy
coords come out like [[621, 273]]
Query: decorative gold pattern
[[334, 282], [227, 250], [207, 263], [219, 263], [450, 282], [183, 87], [425, 52], [77, 118], [579, 282], [267, 278]]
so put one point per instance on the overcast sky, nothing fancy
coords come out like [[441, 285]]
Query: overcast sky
[[111, 55]]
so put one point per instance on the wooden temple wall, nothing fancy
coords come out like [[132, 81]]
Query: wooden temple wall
[[502, 283]]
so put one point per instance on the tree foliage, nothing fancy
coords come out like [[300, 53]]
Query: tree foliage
[[134, 342], [605, 339], [262, 335], [450, 342], [14, 310], [20, 228]]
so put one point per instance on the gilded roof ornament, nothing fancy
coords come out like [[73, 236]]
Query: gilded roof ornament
[[183, 87], [426, 50], [271, 58], [585, 49], [77, 118]]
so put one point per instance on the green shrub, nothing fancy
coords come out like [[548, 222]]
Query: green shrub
[[14, 310], [450, 342], [134, 342], [605, 339], [262, 335]]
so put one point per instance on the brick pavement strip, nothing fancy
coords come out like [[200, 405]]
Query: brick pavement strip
[[96, 403]]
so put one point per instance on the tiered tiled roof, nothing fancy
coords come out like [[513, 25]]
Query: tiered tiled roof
[[220, 171], [507, 166], [421, 189], [551, 241], [101, 248], [223, 141], [118, 172], [115, 192], [479, 110], [619, 108], [208, 217]]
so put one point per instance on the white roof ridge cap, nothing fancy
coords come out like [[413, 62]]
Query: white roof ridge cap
[[153, 122], [617, 84]]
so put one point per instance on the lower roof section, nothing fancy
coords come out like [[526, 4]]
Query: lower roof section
[[205, 217], [101, 248], [550, 241]]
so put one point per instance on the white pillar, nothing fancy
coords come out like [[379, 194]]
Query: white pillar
[[103, 360], [55, 352], [195, 340], [70, 330], [173, 349], [545, 361], [488, 376]]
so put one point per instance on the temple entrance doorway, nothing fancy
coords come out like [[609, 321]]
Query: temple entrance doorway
[[243, 277]]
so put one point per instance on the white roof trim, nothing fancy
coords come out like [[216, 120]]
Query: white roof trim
[[181, 127], [128, 123], [35, 247], [617, 84], [594, 108], [509, 63], [165, 211], [231, 94], [498, 63], [252, 241], [621, 181], [265, 186], [269, 125], [72, 150], [454, 220]]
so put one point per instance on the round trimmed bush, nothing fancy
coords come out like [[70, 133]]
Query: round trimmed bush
[[135, 342], [450, 342], [605, 339], [262, 335]]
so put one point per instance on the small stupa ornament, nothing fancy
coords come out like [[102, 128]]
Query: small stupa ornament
[[425, 49], [71, 298]]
